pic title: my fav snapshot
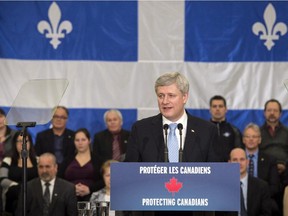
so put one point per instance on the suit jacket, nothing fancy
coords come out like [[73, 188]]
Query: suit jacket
[[146, 143], [63, 203], [45, 142], [267, 170], [102, 144], [258, 199]]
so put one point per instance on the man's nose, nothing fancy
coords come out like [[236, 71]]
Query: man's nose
[[165, 99]]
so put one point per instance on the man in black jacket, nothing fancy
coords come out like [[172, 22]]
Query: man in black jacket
[[229, 136], [58, 140]]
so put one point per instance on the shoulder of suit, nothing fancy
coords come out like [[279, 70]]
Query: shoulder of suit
[[69, 131], [257, 181], [102, 132], [45, 132], [64, 182]]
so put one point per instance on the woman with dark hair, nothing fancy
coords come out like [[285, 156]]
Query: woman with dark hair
[[6, 135], [11, 171], [83, 169]]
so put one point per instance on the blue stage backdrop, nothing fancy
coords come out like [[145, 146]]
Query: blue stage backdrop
[[111, 52]]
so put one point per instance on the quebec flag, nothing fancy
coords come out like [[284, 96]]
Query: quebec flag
[[111, 52]]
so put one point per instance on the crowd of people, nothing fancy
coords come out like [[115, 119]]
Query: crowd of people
[[65, 166]]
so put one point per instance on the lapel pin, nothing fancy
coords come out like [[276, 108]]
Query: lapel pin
[[192, 131]]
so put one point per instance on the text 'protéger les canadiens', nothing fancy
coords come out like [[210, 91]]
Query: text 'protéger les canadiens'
[[174, 170]]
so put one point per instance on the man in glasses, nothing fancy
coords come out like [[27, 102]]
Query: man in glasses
[[57, 140]]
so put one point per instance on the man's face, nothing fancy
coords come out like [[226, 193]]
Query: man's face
[[171, 102], [218, 110], [251, 139], [113, 122], [47, 169], [272, 113], [239, 156], [59, 119]]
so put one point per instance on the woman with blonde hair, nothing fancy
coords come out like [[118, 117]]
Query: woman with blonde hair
[[104, 193]]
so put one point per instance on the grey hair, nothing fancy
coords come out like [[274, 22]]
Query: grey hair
[[117, 112], [253, 126], [48, 154], [171, 78]]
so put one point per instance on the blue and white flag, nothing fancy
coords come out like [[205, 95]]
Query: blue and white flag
[[111, 52]]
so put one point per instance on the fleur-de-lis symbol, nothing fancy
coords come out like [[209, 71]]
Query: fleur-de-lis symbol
[[269, 33], [55, 30]]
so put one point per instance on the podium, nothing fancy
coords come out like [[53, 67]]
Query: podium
[[175, 186]]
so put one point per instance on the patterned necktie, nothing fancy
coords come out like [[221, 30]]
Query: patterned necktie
[[243, 211], [173, 143], [46, 198], [116, 154], [251, 165]]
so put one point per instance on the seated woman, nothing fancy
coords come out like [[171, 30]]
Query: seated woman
[[83, 169], [104, 193], [11, 171]]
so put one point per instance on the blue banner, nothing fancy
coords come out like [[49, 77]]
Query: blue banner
[[236, 31], [94, 30], [175, 186]]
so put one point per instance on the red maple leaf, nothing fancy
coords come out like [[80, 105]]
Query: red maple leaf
[[173, 185]]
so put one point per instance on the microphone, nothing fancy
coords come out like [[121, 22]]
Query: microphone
[[180, 128], [165, 127]]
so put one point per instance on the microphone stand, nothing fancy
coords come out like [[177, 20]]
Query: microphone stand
[[180, 127], [24, 155], [165, 127]]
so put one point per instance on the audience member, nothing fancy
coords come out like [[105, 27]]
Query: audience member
[[275, 141], [262, 165], [111, 142], [59, 139], [275, 134], [229, 136], [254, 192], [83, 168], [146, 143], [49, 195], [104, 193], [6, 135], [11, 171]]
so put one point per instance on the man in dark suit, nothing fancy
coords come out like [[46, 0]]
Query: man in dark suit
[[59, 140], [111, 143], [262, 165], [62, 195], [146, 143], [256, 194]]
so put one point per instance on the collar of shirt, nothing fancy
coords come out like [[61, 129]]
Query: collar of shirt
[[183, 120], [256, 153]]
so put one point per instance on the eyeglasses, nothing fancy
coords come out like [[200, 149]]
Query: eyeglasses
[[251, 137], [59, 117]]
